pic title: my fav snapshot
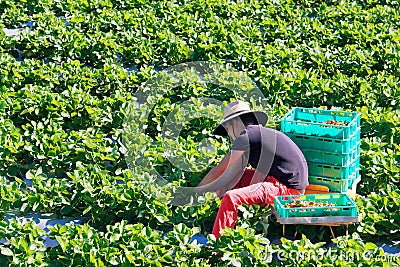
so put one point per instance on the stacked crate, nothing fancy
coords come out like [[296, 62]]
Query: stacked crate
[[332, 150]]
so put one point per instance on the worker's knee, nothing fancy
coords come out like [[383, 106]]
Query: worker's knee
[[230, 198]]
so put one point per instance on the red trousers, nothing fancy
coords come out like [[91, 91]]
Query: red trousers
[[261, 194]]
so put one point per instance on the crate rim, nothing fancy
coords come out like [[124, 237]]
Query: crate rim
[[311, 195], [322, 110], [350, 205]]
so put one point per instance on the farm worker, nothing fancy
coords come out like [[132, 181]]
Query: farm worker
[[278, 167]]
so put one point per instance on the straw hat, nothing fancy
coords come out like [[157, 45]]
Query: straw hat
[[236, 109]]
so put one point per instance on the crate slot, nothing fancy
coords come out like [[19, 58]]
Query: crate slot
[[333, 171], [332, 158]]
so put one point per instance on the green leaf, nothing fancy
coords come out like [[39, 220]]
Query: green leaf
[[66, 210], [159, 218], [6, 251], [370, 246], [62, 242], [85, 211], [30, 175]]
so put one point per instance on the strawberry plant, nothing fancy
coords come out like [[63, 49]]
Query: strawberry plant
[[379, 211], [69, 70]]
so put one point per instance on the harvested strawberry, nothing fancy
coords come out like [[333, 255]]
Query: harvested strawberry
[[296, 203], [333, 122]]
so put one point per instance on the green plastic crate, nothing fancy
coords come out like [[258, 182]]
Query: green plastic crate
[[312, 121], [335, 184], [329, 157], [342, 205], [327, 144], [333, 171]]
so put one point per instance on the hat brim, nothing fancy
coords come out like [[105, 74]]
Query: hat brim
[[261, 117]]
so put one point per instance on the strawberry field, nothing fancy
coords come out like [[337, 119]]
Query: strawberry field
[[70, 69]]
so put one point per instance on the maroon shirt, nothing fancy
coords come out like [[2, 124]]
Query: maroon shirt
[[273, 153]]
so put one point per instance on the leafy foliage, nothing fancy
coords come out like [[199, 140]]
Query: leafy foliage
[[66, 80], [380, 216]]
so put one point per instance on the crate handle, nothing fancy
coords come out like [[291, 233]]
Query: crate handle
[[322, 197]]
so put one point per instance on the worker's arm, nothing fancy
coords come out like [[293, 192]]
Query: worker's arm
[[226, 174]]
